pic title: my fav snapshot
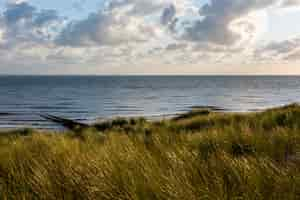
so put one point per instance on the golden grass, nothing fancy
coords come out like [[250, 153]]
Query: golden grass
[[198, 156]]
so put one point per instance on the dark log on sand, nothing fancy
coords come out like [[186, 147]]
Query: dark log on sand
[[67, 123]]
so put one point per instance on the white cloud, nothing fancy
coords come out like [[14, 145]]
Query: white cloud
[[290, 3], [142, 32], [288, 50], [127, 21], [25, 24]]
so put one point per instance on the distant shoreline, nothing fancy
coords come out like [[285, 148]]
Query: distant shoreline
[[150, 118]]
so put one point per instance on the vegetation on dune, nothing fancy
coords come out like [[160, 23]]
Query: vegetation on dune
[[199, 155]]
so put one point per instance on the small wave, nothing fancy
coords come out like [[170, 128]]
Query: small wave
[[178, 96], [123, 110], [212, 108], [5, 114], [51, 107], [125, 107]]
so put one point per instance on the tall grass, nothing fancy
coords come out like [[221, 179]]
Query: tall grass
[[196, 156]]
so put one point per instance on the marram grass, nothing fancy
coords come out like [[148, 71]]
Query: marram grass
[[200, 155]]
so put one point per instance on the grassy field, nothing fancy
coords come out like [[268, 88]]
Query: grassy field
[[199, 155]]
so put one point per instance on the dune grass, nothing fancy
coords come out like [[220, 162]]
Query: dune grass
[[199, 155]]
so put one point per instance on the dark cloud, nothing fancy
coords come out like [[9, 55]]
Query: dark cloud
[[90, 31], [45, 16], [168, 15], [175, 46], [217, 17], [212, 25], [24, 23], [118, 23], [16, 12]]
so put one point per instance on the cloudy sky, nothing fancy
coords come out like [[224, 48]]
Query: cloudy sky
[[150, 37]]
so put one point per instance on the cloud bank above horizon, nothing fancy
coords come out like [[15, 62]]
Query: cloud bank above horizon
[[143, 36]]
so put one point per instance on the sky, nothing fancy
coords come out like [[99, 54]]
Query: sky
[[101, 37]]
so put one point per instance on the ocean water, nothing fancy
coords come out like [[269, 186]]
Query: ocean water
[[89, 98]]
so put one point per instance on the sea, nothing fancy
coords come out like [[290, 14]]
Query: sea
[[23, 99]]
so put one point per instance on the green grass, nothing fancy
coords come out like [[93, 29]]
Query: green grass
[[200, 155]]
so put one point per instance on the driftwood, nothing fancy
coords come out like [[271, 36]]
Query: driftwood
[[67, 123]]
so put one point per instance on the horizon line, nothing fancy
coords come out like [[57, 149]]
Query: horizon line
[[120, 75]]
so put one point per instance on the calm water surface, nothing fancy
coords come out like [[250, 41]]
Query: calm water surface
[[87, 98]]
